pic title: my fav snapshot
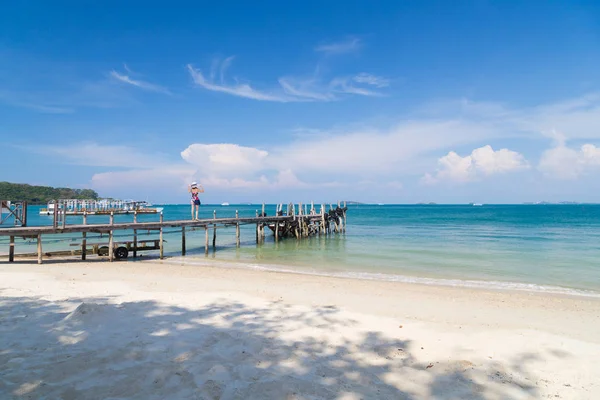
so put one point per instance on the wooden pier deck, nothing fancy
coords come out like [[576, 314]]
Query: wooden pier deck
[[294, 223]]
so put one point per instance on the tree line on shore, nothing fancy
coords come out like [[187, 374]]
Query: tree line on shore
[[42, 194]]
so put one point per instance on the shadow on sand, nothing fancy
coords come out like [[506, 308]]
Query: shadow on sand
[[95, 349]]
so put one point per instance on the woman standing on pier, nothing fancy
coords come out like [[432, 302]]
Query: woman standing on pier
[[194, 189]]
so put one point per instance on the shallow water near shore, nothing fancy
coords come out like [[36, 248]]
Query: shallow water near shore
[[553, 248]]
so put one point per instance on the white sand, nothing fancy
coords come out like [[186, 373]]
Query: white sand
[[153, 331]]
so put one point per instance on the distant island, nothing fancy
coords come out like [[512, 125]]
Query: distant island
[[42, 194]]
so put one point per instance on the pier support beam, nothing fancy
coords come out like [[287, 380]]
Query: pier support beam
[[160, 244], [11, 250], [183, 240], [237, 230], [39, 247], [135, 235], [214, 236], [206, 239], [160, 238], [111, 247], [84, 238]]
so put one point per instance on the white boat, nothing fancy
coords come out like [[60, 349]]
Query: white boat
[[99, 207], [477, 204], [224, 204]]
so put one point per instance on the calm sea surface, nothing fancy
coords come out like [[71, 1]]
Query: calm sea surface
[[553, 248]]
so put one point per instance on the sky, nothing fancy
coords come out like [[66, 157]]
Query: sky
[[384, 102]]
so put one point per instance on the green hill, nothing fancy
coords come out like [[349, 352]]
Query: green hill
[[41, 194]]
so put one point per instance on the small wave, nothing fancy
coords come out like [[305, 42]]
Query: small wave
[[374, 276]]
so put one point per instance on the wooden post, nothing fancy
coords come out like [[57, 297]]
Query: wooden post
[[111, 246], [237, 230], [214, 214], [24, 215], [64, 219], [84, 240], [55, 222], [135, 235], [183, 240], [257, 228], [11, 250], [214, 236], [263, 210], [112, 217], [345, 217], [160, 238], [206, 239], [323, 219], [39, 247], [277, 231]]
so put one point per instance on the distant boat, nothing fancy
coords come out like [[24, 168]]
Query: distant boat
[[477, 204], [99, 207], [224, 204]]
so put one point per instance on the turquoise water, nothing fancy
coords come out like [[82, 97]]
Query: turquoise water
[[529, 247]]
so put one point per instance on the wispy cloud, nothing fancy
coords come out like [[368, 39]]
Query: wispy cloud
[[290, 89], [19, 100], [346, 46], [137, 83], [98, 155], [240, 90], [373, 80]]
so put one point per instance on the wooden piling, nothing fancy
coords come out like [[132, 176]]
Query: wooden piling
[[84, 239], [135, 235], [206, 239], [55, 222], [112, 217], [111, 246], [214, 244], [345, 206], [161, 246], [237, 230], [39, 247], [64, 218], [11, 250], [183, 240]]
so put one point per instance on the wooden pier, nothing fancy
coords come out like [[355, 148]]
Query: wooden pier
[[296, 221]]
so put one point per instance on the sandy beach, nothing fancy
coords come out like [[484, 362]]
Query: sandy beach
[[152, 330]]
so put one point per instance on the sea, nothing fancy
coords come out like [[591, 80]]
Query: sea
[[552, 248]]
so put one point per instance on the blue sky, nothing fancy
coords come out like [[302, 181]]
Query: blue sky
[[395, 102]]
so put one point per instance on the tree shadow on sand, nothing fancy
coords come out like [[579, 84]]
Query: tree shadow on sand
[[95, 349]]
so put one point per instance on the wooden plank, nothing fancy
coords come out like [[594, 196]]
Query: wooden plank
[[11, 250]]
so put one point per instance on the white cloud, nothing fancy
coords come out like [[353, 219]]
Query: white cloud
[[483, 161], [290, 89], [137, 83], [346, 46], [225, 160], [563, 162]]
